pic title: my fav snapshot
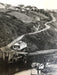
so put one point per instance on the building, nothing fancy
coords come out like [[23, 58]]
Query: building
[[19, 45]]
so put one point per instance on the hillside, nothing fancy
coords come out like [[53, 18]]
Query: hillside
[[11, 28], [44, 40], [16, 23]]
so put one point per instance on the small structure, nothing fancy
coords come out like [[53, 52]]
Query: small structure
[[37, 68], [28, 8], [19, 45], [34, 8]]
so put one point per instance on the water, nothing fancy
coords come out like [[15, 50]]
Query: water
[[49, 60]]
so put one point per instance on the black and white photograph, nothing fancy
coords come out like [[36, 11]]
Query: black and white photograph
[[28, 37]]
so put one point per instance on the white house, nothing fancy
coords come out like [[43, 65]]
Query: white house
[[19, 45]]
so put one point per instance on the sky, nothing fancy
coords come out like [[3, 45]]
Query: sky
[[46, 4]]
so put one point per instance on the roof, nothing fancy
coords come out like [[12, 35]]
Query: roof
[[21, 45]]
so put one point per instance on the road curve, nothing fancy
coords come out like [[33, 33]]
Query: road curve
[[46, 28], [20, 37]]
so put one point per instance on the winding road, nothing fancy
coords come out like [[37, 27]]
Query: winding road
[[47, 26]]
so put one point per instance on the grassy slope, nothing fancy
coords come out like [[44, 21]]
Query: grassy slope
[[44, 40], [11, 28]]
